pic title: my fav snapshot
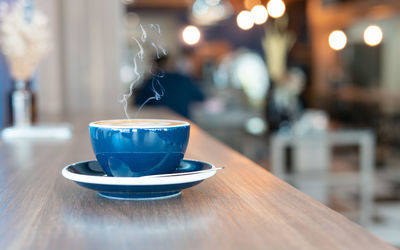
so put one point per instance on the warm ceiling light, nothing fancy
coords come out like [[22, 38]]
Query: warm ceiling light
[[373, 35], [337, 40], [260, 14], [191, 35], [276, 8], [245, 20]]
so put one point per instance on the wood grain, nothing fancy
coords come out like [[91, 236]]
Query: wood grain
[[241, 207]]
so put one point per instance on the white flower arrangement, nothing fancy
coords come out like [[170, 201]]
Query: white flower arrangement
[[23, 43]]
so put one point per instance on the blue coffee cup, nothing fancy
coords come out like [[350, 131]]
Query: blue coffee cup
[[138, 147]]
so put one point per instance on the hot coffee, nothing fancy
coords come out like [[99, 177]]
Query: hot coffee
[[140, 123]]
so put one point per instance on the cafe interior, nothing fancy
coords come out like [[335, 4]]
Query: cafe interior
[[306, 89]]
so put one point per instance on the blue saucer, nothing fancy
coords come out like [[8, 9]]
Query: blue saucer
[[89, 174]]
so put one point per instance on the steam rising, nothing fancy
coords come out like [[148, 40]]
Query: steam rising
[[157, 88]]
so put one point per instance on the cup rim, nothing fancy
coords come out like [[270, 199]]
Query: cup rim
[[93, 124]]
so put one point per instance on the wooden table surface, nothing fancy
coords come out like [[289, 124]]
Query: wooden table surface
[[241, 207]]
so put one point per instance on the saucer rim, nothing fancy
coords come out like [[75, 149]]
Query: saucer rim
[[115, 197], [137, 181]]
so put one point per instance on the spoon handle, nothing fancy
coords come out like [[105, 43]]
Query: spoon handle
[[180, 174]]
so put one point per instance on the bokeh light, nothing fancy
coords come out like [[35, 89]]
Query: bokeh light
[[260, 14], [373, 35], [337, 40], [191, 35], [209, 12], [255, 126], [250, 73], [245, 20], [276, 8]]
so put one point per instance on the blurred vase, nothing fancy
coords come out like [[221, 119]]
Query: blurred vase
[[22, 104]]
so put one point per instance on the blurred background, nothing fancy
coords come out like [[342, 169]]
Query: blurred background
[[308, 89]]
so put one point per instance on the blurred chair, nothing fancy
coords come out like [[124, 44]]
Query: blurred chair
[[312, 154]]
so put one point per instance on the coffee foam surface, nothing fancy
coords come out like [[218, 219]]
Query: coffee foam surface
[[139, 123]]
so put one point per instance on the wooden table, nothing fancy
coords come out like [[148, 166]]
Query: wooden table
[[242, 207]]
